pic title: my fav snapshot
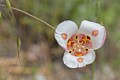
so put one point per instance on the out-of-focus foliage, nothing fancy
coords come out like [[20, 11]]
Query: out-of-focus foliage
[[41, 55]]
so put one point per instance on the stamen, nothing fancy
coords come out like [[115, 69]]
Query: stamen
[[79, 50]]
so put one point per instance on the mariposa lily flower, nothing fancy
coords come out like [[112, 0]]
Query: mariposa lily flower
[[79, 44]]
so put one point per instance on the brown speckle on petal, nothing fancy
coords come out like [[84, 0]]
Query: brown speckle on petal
[[80, 60], [64, 36], [95, 32]]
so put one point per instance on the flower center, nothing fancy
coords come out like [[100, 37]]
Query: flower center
[[79, 44]]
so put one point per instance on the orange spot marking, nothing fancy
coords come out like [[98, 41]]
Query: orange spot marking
[[69, 43], [80, 60], [95, 33], [85, 39], [64, 36], [78, 54]]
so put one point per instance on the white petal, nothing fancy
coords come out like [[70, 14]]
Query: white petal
[[82, 64], [89, 28], [66, 27], [90, 57], [72, 61]]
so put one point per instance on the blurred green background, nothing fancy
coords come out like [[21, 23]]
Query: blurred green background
[[40, 54]]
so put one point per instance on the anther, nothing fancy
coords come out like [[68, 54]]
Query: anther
[[76, 37], [86, 49], [88, 37], [70, 51]]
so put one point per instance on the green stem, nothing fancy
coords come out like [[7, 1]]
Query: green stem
[[93, 71], [97, 6], [34, 17], [97, 14]]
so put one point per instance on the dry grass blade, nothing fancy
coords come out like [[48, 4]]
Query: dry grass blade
[[32, 16], [18, 43], [13, 22], [0, 16], [8, 5], [18, 50]]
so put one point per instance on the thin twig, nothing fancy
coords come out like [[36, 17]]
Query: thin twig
[[34, 17]]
